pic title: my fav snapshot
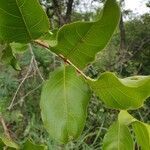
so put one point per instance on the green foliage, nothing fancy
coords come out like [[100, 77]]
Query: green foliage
[[84, 39], [118, 137], [18, 47], [9, 58], [127, 93], [28, 145], [20, 22], [50, 37], [142, 132], [66, 94], [5, 141], [64, 102], [135, 58], [138, 31]]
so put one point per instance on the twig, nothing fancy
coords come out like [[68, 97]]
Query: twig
[[78, 70], [45, 45], [35, 62], [4, 127], [26, 76], [30, 92], [41, 43]]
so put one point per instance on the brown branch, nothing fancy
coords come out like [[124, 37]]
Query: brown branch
[[41, 43], [45, 45]]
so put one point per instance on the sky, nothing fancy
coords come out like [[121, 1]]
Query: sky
[[137, 6]]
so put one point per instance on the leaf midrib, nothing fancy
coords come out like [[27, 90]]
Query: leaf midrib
[[65, 98], [82, 38], [118, 136], [24, 21]]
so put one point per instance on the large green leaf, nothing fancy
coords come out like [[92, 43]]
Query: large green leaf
[[127, 93], [142, 132], [64, 101], [22, 20], [118, 137], [80, 41]]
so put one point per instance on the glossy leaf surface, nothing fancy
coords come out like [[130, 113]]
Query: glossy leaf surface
[[22, 20], [80, 41], [127, 93], [64, 101]]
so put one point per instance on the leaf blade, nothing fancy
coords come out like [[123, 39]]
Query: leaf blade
[[127, 93], [142, 132], [19, 20], [118, 137], [64, 101], [84, 39]]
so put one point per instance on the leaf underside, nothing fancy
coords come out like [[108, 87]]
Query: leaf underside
[[64, 101]]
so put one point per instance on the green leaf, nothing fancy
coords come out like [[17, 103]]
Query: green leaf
[[50, 37], [80, 41], [22, 20], [1, 144], [127, 93], [64, 102], [18, 47], [4, 141], [9, 58], [118, 137], [142, 132], [125, 118], [28, 145]]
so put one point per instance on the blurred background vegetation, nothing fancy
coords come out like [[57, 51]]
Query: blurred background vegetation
[[127, 54]]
